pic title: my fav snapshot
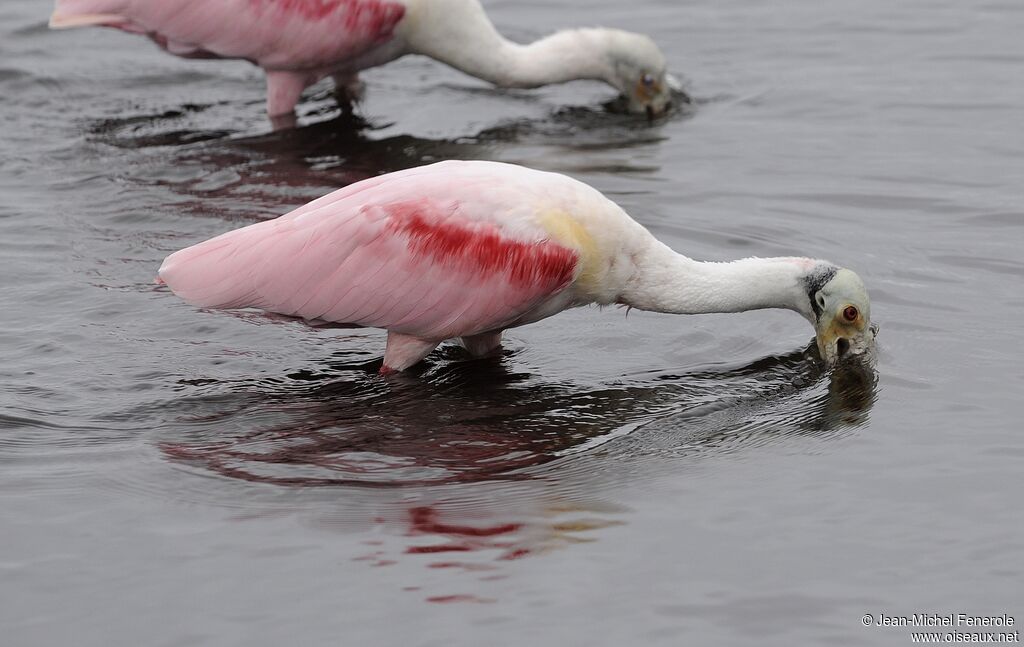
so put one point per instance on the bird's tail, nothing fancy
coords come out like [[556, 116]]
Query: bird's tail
[[87, 13], [218, 273]]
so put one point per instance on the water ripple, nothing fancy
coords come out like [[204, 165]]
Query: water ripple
[[460, 422]]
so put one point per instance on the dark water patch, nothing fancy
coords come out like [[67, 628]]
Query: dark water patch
[[924, 180], [1002, 57], [288, 167], [999, 8], [145, 130], [889, 202], [1000, 266], [458, 421], [13, 74], [949, 106], [997, 220]]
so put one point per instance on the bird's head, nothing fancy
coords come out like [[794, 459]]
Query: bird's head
[[841, 314], [637, 70]]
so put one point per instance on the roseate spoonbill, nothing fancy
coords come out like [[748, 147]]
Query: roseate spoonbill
[[467, 249], [299, 42]]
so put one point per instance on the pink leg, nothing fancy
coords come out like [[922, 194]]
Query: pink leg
[[483, 344], [403, 351], [284, 89]]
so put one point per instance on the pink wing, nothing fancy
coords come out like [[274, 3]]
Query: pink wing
[[404, 252], [276, 34]]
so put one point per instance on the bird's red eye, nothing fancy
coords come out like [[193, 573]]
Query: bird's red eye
[[850, 313]]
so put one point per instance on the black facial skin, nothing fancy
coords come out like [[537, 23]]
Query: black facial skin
[[816, 280]]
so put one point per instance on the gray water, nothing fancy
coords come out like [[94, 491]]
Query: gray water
[[170, 476]]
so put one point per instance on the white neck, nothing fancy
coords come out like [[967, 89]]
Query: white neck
[[666, 281], [458, 32]]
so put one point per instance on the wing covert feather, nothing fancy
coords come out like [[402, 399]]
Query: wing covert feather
[[389, 254]]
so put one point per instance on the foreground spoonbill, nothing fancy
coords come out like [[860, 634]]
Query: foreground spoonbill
[[467, 249], [299, 42]]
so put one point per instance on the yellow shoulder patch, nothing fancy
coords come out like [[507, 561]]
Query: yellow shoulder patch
[[566, 230]]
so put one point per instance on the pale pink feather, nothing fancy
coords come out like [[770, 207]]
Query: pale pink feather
[[275, 34], [447, 250]]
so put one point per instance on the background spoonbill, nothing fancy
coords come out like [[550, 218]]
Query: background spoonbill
[[299, 42]]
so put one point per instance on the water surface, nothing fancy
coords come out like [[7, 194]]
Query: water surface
[[170, 476]]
